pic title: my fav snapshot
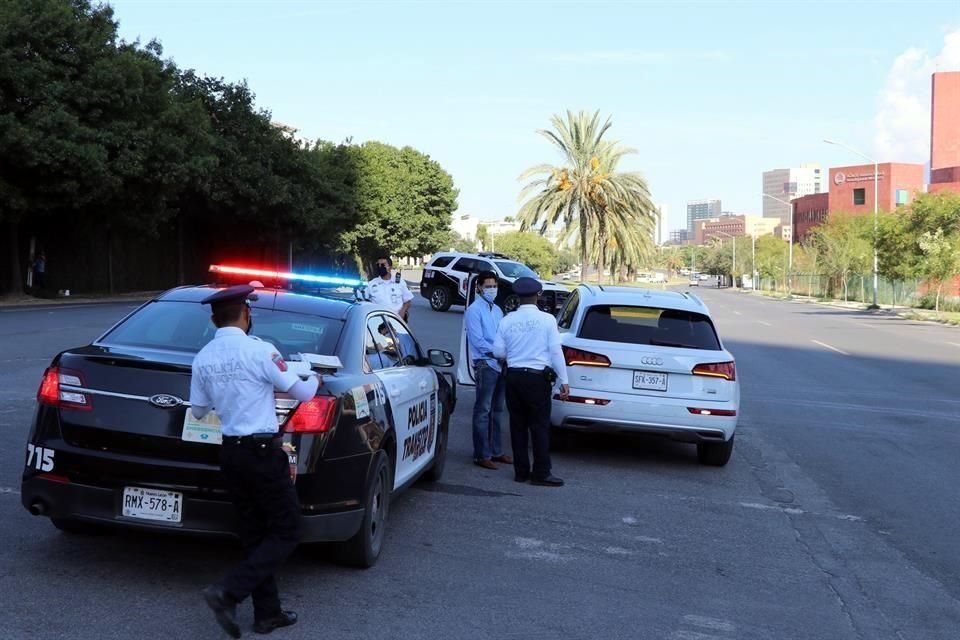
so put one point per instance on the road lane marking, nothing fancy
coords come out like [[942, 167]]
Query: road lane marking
[[956, 344], [824, 344], [765, 323], [9, 490], [738, 313]]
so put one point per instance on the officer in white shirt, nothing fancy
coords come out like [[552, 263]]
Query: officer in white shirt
[[390, 290], [236, 374], [529, 341]]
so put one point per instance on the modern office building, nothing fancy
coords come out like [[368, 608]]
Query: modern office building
[[787, 184], [701, 210]]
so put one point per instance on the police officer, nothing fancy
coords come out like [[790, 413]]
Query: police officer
[[236, 374], [529, 341], [390, 290]]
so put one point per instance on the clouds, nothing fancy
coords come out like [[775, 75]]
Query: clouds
[[902, 125]]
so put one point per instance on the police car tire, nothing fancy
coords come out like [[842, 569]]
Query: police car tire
[[363, 549], [435, 472], [715, 454], [441, 298], [76, 527]]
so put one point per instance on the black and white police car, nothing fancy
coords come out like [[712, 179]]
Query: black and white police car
[[113, 443], [445, 279]]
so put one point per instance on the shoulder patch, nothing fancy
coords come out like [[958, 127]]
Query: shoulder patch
[[278, 360]]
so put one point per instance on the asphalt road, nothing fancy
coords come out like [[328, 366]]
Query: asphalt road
[[834, 520]]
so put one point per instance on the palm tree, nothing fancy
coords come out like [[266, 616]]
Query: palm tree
[[588, 195]]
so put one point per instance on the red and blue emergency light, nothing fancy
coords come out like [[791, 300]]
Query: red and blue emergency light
[[285, 275]]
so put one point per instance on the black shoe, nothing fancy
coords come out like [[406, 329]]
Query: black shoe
[[283, 619], [549, 481], [224, 608], [521, 477]]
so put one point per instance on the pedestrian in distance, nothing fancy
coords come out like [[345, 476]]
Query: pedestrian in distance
[[389, 289], [529, 341], [236, 374], [482, 318], [40, 272]]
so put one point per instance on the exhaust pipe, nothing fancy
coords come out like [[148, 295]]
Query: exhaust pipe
[[38, 508]]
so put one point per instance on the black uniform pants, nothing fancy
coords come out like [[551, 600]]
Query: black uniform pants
[[258, 478], [528, 403]]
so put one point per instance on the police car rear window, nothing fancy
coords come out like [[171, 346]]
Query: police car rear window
[[442, 261], [649, 325], [186, 326]]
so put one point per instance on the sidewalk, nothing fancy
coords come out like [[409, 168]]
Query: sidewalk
[[26, 301]]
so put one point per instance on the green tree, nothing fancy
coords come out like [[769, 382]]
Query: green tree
[[566, 259], [532, 249], [843, 247], [941, 258], [483, 236], [458, 243], [896, 249], [405, 203], [587, 194]]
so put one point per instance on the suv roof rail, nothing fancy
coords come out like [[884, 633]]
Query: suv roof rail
[[490, 254]]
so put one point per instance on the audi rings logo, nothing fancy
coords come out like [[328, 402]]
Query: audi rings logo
[[165, 401], [650, 360], [840, 177]]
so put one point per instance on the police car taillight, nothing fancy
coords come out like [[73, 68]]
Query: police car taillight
[[313, 416], [52, 393]]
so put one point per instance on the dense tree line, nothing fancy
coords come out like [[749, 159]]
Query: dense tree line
[[108, 142]]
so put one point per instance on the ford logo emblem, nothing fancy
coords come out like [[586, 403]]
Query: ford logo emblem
[[650, 360], [165, 401]]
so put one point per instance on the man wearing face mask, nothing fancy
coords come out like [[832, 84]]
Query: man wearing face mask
[[482, 319], [390, 290], [236, 374]]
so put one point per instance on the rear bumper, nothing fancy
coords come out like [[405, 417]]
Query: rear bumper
[[669, 418], [201, 516]]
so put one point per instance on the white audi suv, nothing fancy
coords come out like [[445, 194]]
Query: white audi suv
[[648, 361]]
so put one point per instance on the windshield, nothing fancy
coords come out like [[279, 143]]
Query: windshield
[[516, 269], [650, 325], [186, 326]]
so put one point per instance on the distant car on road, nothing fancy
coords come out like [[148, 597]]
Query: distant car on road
[[694, 281], [648, 361]]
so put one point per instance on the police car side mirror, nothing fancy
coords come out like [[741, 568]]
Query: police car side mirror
[[440, 358]]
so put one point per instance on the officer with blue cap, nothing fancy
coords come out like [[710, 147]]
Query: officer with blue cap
[[529, 341], [236, 374]]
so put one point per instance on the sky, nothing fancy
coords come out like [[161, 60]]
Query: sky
[[710, 94]]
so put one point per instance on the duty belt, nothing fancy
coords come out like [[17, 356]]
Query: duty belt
[[254, 440]]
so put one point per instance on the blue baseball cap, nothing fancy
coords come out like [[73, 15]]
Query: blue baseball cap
[[236, 293], [525, 286]]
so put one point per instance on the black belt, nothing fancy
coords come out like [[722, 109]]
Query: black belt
[[539, 372], [256, 439]]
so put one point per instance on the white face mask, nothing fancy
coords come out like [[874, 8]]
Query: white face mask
[[489, 294]]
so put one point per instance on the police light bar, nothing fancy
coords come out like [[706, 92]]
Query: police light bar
[[286, 275]]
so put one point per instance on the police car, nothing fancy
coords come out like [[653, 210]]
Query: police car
[[113, 442], [445, 281]]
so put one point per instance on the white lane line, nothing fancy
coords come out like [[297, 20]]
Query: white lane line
[[738, 313], [825, 345], [9, 490], [956, 344], [764, 323]]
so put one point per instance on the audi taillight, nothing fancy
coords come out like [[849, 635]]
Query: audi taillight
[[583, 400], [584, 358], [725, 370], [313, 416], [53, 393]]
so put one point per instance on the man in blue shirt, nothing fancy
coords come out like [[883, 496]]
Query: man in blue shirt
[[482, 319]]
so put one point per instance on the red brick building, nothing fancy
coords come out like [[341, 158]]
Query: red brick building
[[945, 132], [809, 212], [851, 188]]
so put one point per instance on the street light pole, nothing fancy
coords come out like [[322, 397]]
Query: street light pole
[[876, 215], [790, 259]]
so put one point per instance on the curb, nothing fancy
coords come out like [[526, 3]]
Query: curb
[[907, 313], [42, 303]]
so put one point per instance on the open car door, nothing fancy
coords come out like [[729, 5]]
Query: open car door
[[465, 360]]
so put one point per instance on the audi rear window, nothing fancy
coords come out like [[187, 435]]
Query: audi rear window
[[186, 326], [649, 325]]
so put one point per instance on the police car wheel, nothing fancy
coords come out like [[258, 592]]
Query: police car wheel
[[510, 303], [440, 456], [440, 299], [363, 549], [76, 527], [715, 454]]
